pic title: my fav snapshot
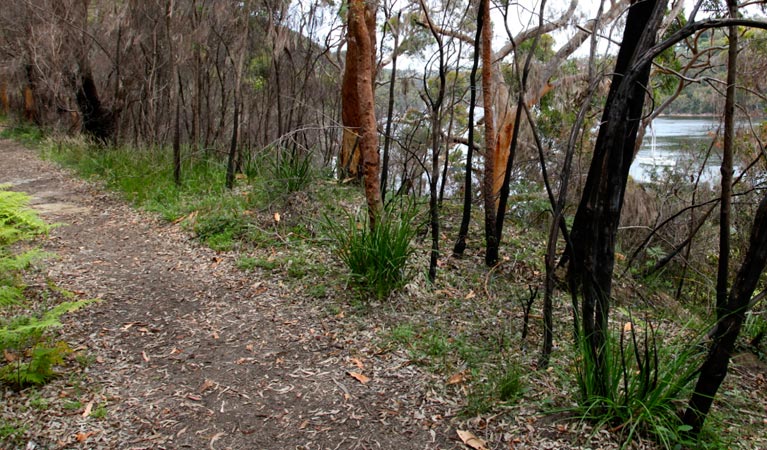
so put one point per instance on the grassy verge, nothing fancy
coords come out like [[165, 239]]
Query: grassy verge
[[260, 211]]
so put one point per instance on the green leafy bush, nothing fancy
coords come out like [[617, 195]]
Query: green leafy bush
[[17, 223], [24, 132], [377, 258], [30, 351], [29, 354]]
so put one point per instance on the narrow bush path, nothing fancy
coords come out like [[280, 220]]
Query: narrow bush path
[[186, 351]]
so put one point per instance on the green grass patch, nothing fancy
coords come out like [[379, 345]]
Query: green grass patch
[[376, 258], [24, 132], [221, 218], [248, 263], [437, 348], [12, 431], [280, 171], [503, 385], [218, 216]]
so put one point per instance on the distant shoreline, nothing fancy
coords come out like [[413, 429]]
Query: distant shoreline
[[701, 116], [688, 116]]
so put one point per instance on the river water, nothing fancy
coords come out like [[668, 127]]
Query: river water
[[677, 145]]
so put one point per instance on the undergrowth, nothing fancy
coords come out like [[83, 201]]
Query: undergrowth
[[24, 132], [17, 223], [463, 326], [221, 218], [646, 385], [30, 351], [376, 258]]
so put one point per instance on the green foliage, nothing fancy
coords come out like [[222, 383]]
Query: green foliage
[[24, 132], [289, 171], [37, 401], [221, 218], [99, 412], [251, 263], [317, 291], [29, 358], [30, 354], [403, 334], [646, 384], [11, 431], [17, 223], [376, 258], [755, 327], [145, 177], [38, 369], [503, 385]]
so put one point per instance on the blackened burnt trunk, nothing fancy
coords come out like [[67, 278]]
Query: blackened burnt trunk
[[596, 220]]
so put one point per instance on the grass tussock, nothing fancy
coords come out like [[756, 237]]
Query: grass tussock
[[647, 383], [377, 258]]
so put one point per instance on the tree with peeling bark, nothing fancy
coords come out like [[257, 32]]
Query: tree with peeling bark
[[500, 164], [490, 197], [361, 15], [359, 78]]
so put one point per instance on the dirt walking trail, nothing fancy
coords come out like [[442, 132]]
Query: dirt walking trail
[[189, 352]]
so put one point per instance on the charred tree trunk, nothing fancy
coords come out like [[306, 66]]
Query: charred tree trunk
[[176, 76], [596, 220], [730, 311], [450, 123], [233, 147], [725, 207], [460, 243], [233, 144], [714, 369], [98, 122], [435, 105], [390, 111], [177, 143]]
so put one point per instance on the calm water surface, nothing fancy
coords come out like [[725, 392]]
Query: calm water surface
[[677, 145]]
